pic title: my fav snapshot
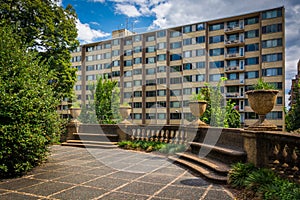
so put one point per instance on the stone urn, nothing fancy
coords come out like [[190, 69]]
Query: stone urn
[[125, 111], [74, 124], [75, 112], [198, 108], [262, 102]]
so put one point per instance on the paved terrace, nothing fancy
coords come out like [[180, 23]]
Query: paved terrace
[[79, 173]]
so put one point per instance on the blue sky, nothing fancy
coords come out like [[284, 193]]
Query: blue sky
[[98, 18]]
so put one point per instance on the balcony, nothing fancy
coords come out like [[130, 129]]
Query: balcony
[[231, 43], [233, 69], [232, 56], [233, 95], [234, 29]]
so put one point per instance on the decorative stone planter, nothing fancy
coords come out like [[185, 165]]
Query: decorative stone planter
[[75, 112], [74, 123], [125, 112], [262, 102], [198, 108]]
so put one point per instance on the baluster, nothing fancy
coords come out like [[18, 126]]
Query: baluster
[[171, 137], [284, 155], [166, 139], [133, 134], [157, 135], [161, 136], [152, 135], [176, 137], [138, 134], [295, 169]]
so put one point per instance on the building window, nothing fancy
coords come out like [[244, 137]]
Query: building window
[[252, 47], [252, 33], [150, 71], [127, 63], [232, 63], [252, 74], [175, 69], [216, 39], [216, 64], [128, 52], [215, 27], [200, 78], [272, 57], [232, 89], [272, 14], [188, 78], [175, 104], [187, 54], [187, 66], [277, 85], [150, 38], [150, 49], [200, 52], [115, 52], [274, 28], [216, 52], [272, 72], [200, 27], [175, 115], [175, 34], [161, 69], [187, 41], [272, 43], [160, 34], [150, 116], [175, 57], [175, 45], [150, 105], [90, 68], [107, 55], [137, 38], [233, 76], [137, 60], [252, 20], [161, 81], [252, 61], [150, 60], [137, 71], [107, 46], [128, 41], [128, 84], [78, 87], [89, 49], [200, 39], [137, 116], [89, 58], [137, 49], [176, 80], [137, 104], [161, 57], [115, 42], [116, 63], [137, 82], [187, 29], [127, 73], [279, 101], [107, 65], [115, 73], [215, 77], [200, 65], [137, 93], [161, 93], [274, 115], [187, 91], [176, 93], [90, 77], [151, 93], [161, 45], [151, 82], [161, 115]]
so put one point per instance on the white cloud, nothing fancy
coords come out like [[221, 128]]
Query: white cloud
[[87, 35], [129, 10]]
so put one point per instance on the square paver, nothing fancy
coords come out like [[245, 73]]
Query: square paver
[[123, 196], [192, 181], [50, 175], [157, 178], [175, 192], [46, 188], [16, 196], [18, 183], [217, 194], [141, 188], [170, 171], [76, 179], [107, 183], [80, 192], [99, 171], [126, 175]]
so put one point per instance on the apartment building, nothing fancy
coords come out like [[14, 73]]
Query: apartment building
[[158, 71]]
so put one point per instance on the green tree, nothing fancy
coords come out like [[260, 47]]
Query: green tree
[[292, 117], [88, 113], [218, 112], [28, 117], [50, 30], [107, 101]]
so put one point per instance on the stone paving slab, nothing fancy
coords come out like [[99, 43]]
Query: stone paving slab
[[114, 174]]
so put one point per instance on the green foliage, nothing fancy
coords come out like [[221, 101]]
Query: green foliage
[[261, 85], [262, 183], [292, 117], [142, 145], [216, 113], [238, 174], [198, 97], [49, 29], [88, 113], [172, 148], [28, 118], [107, 101]]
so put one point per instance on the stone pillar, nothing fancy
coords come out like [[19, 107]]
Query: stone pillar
[[123, 131], [72, 128]]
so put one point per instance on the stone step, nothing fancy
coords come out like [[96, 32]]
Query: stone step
[[203, 171], [214, 165], [226, 155], [96, 137], [90, 144]]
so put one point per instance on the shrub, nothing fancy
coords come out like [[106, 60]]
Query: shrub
[[172, 148], [238, 173], [28, 118]]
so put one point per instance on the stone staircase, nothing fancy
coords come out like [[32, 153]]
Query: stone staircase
[[93, 136], [211, 162]]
